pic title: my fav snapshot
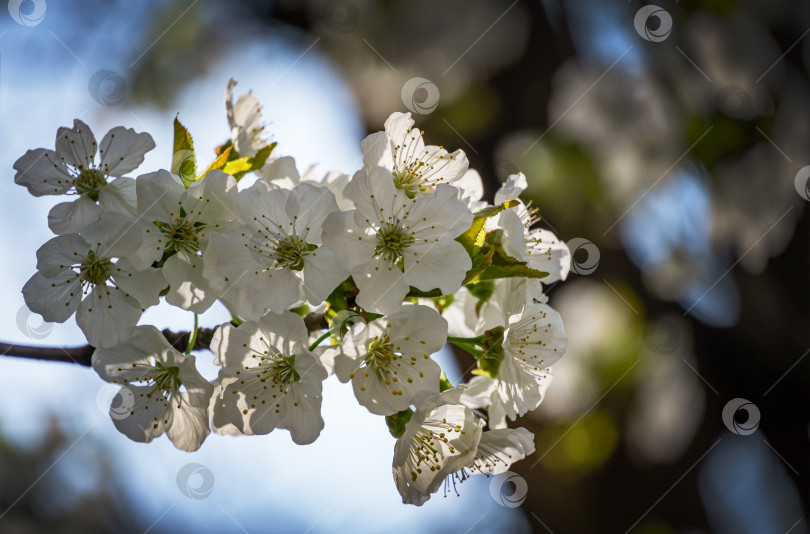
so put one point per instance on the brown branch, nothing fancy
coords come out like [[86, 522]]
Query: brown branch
[[82, 354]]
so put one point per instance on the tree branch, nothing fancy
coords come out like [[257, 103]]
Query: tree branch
[[83, 354]]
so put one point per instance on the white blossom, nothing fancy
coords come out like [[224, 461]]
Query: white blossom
[[269, 377], [441, 438], [388, 361], [245, 120], [415, 168], [531, 342], [498, 449], [276, 258], [179, 224], [74, 170], [538, 247], [161, 387], [390, 242], [85, 273]]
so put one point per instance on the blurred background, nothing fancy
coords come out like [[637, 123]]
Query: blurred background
[[667, 144]]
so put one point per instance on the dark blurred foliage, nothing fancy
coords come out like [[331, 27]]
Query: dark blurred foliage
[[36, 495], [675, 158]]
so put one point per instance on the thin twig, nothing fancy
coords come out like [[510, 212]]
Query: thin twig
[[82, 355]]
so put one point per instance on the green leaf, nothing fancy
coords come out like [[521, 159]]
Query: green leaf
[[240, 166], [444, 384], [220, 162], [503, 265], [481, 261], [473, 238], [396, 423], [184, 162]]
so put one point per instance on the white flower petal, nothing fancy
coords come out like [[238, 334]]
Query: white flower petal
[[511, 189], [70, 217], [119, 196], [158, 196], [382, 286], [60, 252], [188, 288], [107, 316], [148, 418], [55, 299], [42, 173], [144, 285], [76, 146], [308, 206], [281, 172], [189, 426], [498, 449], [211, 200], [442, 265], [322, 275], [122, 150]]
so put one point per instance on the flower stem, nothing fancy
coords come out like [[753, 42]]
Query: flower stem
[[318, 341], [465, 340], [472, 348], [192, 339]]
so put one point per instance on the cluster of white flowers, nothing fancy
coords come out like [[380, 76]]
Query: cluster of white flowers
[[394, 263]]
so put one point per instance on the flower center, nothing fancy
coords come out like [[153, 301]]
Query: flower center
[[392, 240], [291, 250], [425, 449], [281, 371], [95, 270], [89, 182], [182, 235], [380, 356], [165, 379], [409, 179], [490, 359]]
